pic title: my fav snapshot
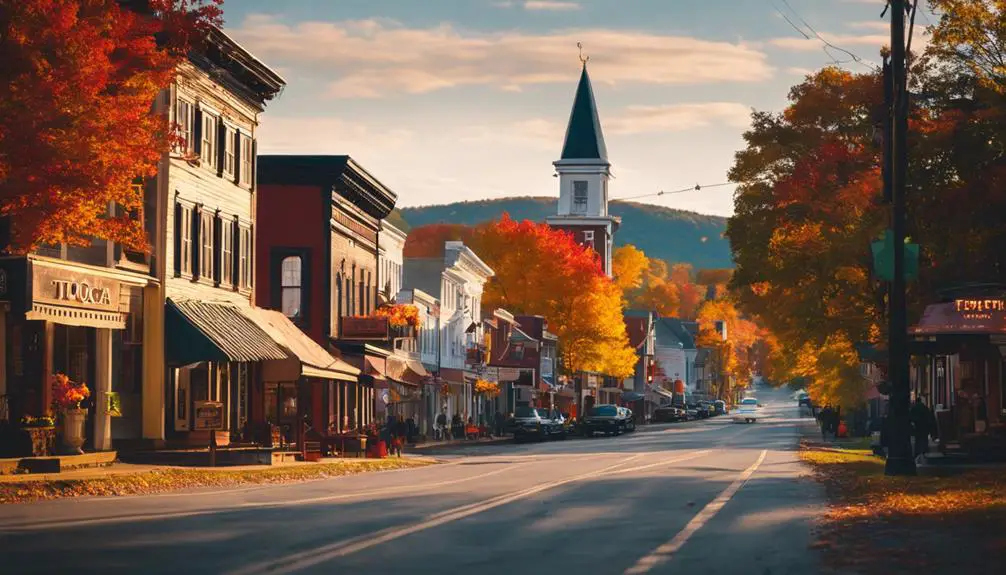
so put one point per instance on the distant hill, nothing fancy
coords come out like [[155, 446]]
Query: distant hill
[[672, 235]]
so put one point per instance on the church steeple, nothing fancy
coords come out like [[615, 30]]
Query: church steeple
[[584, 138]]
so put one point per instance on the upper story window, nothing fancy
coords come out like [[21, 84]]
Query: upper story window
[[245, 258], [227, 253], [206, 245], [291, 274], [588, 239], [184, 119], [208, 144], [228, 152], [579, 196], [183, 244], [246, 153]]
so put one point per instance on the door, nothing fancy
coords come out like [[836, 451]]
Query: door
[[182, 398]]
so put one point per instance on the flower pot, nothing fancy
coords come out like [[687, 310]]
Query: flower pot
[[73, 430]]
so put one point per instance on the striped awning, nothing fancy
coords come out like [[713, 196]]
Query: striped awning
[[201, 331]]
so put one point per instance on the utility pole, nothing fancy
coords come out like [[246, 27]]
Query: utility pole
[[900, 460]]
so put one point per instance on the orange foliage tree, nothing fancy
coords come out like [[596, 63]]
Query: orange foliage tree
[[77, 124], [652, 284], [543, 271]]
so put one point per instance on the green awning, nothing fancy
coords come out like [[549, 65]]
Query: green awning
[[198, 331]]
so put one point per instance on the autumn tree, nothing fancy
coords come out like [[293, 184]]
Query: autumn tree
[[77, 123], [544, 271], [628, 264]]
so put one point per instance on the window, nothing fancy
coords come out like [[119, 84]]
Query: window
[[184, 254], [184, 114], [579, 196], [588, 239], [291, 288], [245, 258], [245, 173], [206, 243], [227, 253], [208, 149], [228, 146]]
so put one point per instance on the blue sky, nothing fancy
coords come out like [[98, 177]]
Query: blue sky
[[446, 100]]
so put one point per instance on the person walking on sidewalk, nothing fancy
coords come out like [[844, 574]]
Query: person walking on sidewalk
[[498, 423], [922, 426], [442, 426], [825, 418]]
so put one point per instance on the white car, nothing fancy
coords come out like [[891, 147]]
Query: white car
[[747, 411]]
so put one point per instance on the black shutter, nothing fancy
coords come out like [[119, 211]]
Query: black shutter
[[218, 248], [178, 239], [253, 180], [237, 156], [197, 131], [197, 241], [221, 136]]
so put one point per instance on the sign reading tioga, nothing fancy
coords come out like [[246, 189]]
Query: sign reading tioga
[[69, 288]]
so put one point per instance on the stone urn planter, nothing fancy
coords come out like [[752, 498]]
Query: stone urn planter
[[73, 430]]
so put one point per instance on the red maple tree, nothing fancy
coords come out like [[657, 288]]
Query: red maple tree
[[78, 125]]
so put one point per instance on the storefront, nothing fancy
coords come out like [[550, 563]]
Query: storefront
[[83, 321], [958, 366]]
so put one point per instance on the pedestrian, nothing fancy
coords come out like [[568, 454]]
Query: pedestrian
[[410, 429], [498, 421], [825, 420], [441, 429], [921, 419]]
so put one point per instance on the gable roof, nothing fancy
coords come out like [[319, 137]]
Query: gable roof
[[637, 330], [584, 138], [671, 329]]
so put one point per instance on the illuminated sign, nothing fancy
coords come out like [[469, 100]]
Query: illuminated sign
[[979, 308]]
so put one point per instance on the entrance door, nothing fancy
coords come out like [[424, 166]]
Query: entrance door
[[182, 397]]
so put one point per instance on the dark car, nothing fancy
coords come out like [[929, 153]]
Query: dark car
[[535, 423], [719, 407], [630, 422], [668, 414], [803, 400], [706, 409], [606, 419]]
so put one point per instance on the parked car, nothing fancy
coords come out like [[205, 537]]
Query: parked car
[[748, 411], [706, 409], [719, 407], [668, 414], [535, 423], [803, 399], [607, 419], [630, 421]]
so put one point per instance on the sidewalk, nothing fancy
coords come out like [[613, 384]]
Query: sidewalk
[[435, 444]]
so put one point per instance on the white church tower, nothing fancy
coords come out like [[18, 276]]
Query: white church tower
[[583, 171]]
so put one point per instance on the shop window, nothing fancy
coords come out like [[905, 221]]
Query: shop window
[[291, 286]]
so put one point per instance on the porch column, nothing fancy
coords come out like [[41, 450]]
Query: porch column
[[102, 386], [3, 349], [152, 392]]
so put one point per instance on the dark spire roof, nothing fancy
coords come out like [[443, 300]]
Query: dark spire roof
[[584, 140]]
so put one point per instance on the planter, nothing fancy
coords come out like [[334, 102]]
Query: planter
[[43, 440], [73, 430]]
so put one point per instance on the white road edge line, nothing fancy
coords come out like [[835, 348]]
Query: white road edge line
[[245, 506], [310, 558], [663, 553]]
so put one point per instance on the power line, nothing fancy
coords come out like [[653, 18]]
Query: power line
[[827, 45], [695, 188]]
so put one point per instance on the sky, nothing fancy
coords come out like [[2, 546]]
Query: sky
[[450, 100]]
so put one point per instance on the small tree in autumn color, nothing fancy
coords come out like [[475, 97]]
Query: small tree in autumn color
[[77, 124], [628, 264]]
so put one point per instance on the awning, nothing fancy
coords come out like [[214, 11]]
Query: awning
[[517, 335], [946, 318], [374, 368], [662, 392], [307, 358], [632, 396], [452, 376], [406, 370], [200, 331]]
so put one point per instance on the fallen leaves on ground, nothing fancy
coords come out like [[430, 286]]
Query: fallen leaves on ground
[[947, 523], [172, 479]]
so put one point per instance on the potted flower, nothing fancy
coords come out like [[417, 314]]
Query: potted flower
[[42, 432], [67, 397]]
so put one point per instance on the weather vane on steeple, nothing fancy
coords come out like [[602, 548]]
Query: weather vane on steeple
[[583, 59]]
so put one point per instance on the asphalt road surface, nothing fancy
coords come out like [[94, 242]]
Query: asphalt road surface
[[701, 497]]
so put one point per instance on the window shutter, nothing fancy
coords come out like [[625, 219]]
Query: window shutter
[[218, 248], [253, 180], [197, 132], [178, 239], [221, 136], [237, 156], [197, 241]]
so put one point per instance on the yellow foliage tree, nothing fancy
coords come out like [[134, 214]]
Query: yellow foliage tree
[[628, 264]]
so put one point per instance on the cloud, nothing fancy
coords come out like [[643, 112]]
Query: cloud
[[373, 58], [551, 6], [797, 71], [679, 117]]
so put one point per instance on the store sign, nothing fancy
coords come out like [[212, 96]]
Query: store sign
[[209, 415], [364, 328], [68, 288], [979, 308]]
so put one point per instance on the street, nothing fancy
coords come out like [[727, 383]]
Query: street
[[669, 498]]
